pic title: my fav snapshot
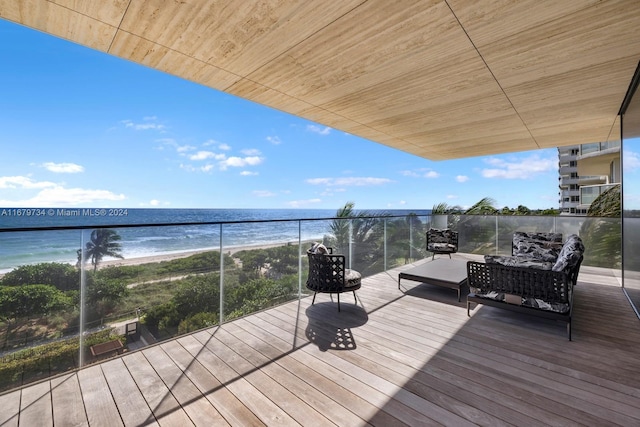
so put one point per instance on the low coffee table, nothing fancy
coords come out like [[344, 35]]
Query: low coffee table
[[450, 273]]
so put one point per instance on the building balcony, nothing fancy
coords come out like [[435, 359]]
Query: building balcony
[[596, 159], [589, 193], [409, 357], [398, 356], [593, 180]]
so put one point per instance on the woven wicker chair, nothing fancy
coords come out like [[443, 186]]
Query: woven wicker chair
[[442, 241], [327, 274]]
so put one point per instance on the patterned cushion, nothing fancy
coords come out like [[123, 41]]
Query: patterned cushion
[[441, 240], [318, 248], [441, 247], [543, 246], [440, 236], [570, 254], [352, 278], [529, 302], [518, 261]]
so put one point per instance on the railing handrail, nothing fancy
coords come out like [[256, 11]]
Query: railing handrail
[[190, 223]]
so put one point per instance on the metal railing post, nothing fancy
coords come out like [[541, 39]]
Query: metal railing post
[[83, 298], [384, 243], [221, 321], [350, 242], [299, 259]]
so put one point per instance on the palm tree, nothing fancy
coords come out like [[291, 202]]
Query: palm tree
[[364, 231], [485, 206], [104, 242]]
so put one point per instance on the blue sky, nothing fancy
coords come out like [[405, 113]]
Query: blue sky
[[79, 128]]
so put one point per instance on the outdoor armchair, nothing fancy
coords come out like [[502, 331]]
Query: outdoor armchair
[[328, 274], [442, 241]]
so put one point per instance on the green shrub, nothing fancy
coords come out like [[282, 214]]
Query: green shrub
[[62, 276], [198, 321], [44, 360]]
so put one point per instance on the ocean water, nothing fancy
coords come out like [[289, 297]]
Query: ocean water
[[161, 233]]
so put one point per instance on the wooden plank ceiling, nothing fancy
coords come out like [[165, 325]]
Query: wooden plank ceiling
[[439, 79]]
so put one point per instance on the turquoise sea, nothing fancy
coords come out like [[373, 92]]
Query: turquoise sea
[[165, 231]]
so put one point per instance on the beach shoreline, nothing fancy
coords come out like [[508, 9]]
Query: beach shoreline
[[156, 258], [169, 256]]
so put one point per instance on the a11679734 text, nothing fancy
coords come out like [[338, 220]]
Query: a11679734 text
[[62, 212]]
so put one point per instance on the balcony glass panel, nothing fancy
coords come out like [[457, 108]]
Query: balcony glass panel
[[631, 200], [179, 278]]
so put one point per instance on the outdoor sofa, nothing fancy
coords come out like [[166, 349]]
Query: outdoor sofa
[[537, 279]]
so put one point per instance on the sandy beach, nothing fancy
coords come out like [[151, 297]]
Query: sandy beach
[[177, 255]]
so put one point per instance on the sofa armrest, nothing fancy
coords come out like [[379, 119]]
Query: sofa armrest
[[549, 286]]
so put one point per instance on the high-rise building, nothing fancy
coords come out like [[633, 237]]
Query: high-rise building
[[586, 171]]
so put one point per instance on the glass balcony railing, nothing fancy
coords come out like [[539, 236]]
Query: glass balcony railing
[[589, 193], [598, 146], [66, 301]]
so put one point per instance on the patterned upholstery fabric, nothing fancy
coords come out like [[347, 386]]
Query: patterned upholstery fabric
[[318, 248], [543, 251], [441, 240], [570, 254], [352, 278], [529, 302], [518, 261], [542, 246]]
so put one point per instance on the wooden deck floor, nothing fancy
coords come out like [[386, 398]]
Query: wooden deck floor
[[409, 357]]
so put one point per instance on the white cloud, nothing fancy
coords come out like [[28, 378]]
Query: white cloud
[[274, 140], [462, 178], [451, 196], [263, 193], [319, 130], [74, 196], [248, 173], [251, 152], [240, 162], [184, 148], [203, 155], [631, 160], [524, 168], [154, 202], [420, 173], [220, 145], [23, 182], [190, 168], [57, 195], [303, 203], [63, 167], [348, 182], [144, 126]]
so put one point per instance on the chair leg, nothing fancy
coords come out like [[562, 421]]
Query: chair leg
[[449, 256], [355, 297], [314, 298], [338, 301], [433, 256]]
